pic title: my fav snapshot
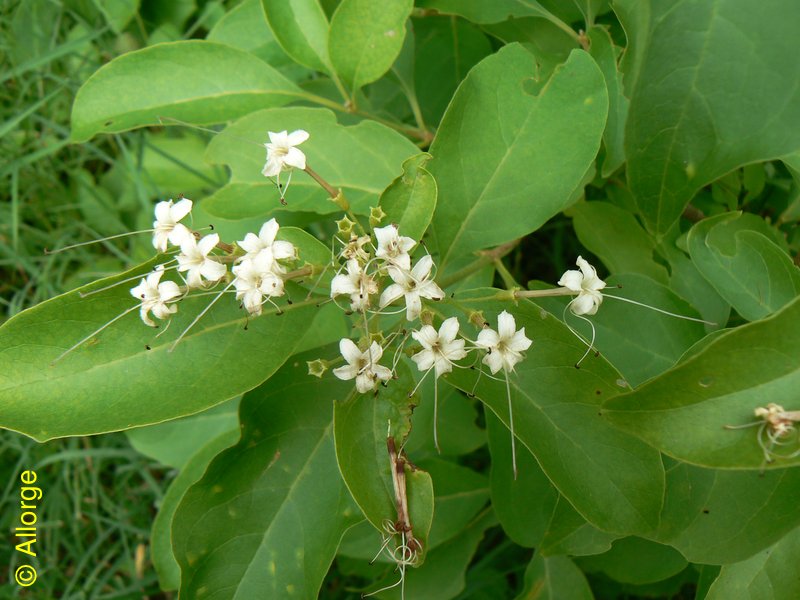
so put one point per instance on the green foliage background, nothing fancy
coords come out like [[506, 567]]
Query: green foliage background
[[660, 139]]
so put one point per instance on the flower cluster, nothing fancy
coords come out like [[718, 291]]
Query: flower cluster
[[257, 264]]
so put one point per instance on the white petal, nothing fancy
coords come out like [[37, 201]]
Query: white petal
[[282, 249], [147, 320], [423, 268], [268, 232], [365, 382], [168, 290], [506, 326], [426, 336], [382, 373], [208, 243], [509, 360], [272, 167], [346, 372], [413, 305], [375, 352], [280, 138], [342, 284], [455, 350], [572, 280], [424, 359], [163, 211], [385, 235], [448, 330], [583, 305], [251, 243], [297, 137], [188, 246], [180, 209], [138, 292], [349, 351], [179, 233], [295, 158], [588, 270], [442, 365], [520, 342], [391, 293], [406, 244], [494, 360], [160, 239], [487, 338], [212, 270], [430, 290]]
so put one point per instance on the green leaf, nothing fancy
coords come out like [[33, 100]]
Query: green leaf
[[238, 533], [615, 236], [746, 267], [512, 149], [360, 430], [193, 468], [445, 50], [769, 574], [554, 578], [301, 28], [113, 381], [365, 38], [605, 54], [637, 561], [613, 480], [361, 159], [524, 506], [692, 117], [410, 200], [245, 27], [173, 443], [569, 533], [684, 412], [479, 11], [722, 516], [197, 81]]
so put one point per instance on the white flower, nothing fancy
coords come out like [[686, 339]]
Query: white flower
[[503, 348], [356, 283], [265, 243], [255, 280], [282, 154], [154, 297], [439, 349], [587, 284], [166, 227], [414, 285], [362, 365], [194, 259], [393, 247]]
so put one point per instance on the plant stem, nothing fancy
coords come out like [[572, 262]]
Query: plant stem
[[487, 257]]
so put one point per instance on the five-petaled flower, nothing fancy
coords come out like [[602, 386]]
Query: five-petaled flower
[[265, 244], [154, 297], [587, 285], [282, 153], [393, 247], [439, 350], [194, 259], [362, 365], [166, 228], [413, 285], [356, 283], [504, 346], [256, 280]]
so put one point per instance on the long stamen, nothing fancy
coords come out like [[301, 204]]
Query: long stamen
[[576, 334], [665, 312], [419, 383], [198, 317], [223, 133], [97, 241], [591, 342], [128, 279], [94, 333], [511, 428]]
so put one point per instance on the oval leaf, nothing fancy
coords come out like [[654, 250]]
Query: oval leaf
[[197, 81], [512, 149], [685, 411]]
